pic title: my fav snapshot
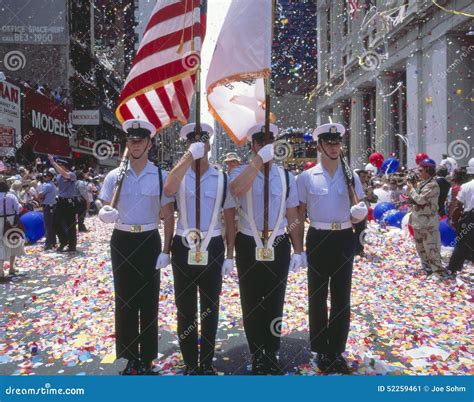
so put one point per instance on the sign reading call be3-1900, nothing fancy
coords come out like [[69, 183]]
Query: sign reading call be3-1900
[[39, 22]]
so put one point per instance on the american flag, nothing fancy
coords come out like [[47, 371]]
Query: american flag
[[353, 7], [160, 85]]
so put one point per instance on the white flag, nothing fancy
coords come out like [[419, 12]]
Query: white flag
[[241, 59]]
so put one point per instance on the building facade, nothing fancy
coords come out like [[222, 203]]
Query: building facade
[[398, 75]]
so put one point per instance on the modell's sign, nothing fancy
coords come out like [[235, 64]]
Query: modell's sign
[[47, 125], [85, 117], [42, 115]]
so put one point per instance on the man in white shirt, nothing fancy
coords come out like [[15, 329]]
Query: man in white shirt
[[464, 248], [135, 248], [326, 196], [203, 275], [263, 268]]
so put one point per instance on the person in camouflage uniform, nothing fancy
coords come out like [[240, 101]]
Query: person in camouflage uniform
[[424, 217]]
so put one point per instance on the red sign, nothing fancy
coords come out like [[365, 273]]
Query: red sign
[[86, 143], [45, 125], [7, 136]]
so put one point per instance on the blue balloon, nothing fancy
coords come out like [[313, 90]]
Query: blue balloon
[[307, 137], [34, 225], [393, 218], [448, 234], [381, 208], [390, 165]]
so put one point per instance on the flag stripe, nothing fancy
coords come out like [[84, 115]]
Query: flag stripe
[[181, 97], [153, 69], [151, 77], [166, 42], [160, 85], [170, 26], [165, 101], [147, 109], [125, 112], [171, 11]]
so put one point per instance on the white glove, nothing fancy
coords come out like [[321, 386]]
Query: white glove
[[296, 262], [304, 260], [227, 267], [266, 153], [359, 211], [197, 150], [163, 261], [107, 214]]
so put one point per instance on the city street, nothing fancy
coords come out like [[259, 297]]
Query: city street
[[56, 316]]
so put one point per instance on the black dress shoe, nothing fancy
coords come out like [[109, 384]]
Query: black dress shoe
[[273, 366], [131, 368], [340, 365], [258, 364], [324, 362], [70, 250], [207, 369], [190, 371], [60, 249], [145, 368]]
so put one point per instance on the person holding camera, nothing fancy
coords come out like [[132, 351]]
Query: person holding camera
[[424, 217]]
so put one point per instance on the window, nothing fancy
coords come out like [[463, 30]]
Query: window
[[328, 28], [345, 18]]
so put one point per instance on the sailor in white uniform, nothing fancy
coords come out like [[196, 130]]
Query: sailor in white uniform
[[263, 268], [198, 255], [330, 242], [136, 247]]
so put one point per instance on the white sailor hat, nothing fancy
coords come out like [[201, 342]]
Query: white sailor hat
[[188, 132], [260, 128], [138, 129], [470, 167], [329, 131]]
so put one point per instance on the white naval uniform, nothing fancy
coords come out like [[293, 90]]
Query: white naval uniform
[[193, 279], [263, 283], [135, 246], [139, 202], [330, 252]]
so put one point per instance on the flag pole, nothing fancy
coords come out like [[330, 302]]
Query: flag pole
[[266, 167], [197, 166]]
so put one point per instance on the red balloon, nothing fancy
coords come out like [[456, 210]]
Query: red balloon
[[309, 165], [419, 157], [376, 159], [370, 214]]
